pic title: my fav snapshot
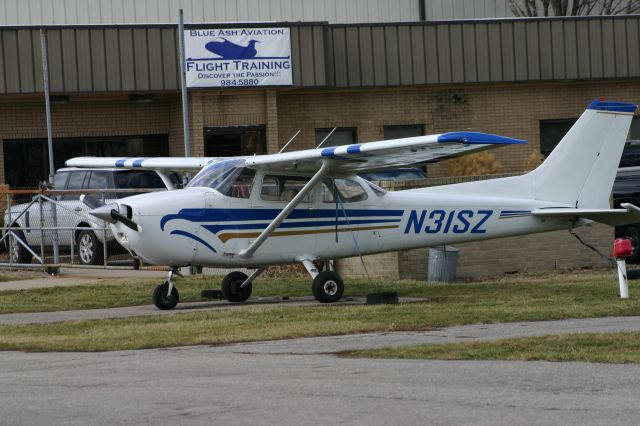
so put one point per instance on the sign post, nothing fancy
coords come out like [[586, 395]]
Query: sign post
[[183, 85], [47, 103]]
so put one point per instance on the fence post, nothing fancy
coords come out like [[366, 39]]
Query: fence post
[[7, 226], [41, 227]]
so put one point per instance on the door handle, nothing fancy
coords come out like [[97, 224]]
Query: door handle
[[78, 209]]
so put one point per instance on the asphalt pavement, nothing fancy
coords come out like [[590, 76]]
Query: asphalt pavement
[[301, 382], [304, 382]]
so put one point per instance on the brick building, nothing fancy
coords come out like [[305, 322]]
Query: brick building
[[116, 92]]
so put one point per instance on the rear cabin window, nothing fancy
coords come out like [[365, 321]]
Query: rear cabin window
[[349, 191], [76, 181], [284, 188], [60, 180]]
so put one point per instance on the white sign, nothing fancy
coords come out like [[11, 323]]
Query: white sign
[[238, 57]]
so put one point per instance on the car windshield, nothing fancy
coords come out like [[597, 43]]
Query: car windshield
[[219, 175], [631, 154]]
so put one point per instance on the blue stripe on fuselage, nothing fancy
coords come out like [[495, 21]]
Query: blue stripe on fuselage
[[236, 215], [217, 228]]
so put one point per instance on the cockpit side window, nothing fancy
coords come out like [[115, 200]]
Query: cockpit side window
[[222, 175], [241, 187]]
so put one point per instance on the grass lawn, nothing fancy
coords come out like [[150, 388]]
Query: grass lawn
[[575, 295], [617, 348]]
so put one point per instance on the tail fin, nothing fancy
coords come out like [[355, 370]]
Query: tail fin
[[581, 169]]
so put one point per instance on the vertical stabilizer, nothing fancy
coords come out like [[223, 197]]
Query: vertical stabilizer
[[580, 171]]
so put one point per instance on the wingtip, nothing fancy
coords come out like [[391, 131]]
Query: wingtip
[[478, 138]]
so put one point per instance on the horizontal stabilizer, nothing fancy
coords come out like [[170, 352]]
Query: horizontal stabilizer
[[614, 217]]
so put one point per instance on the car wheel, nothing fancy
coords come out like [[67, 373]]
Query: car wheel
[[90, 249], [17, 251], [632, 233]]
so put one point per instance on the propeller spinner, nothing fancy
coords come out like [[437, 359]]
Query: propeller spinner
[[108, 212]]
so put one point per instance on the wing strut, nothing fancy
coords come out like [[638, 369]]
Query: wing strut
[[248, 252]]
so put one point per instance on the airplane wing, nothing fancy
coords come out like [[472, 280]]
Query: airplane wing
[[613, 217], [383, 154], [347, 158], [153, 163]]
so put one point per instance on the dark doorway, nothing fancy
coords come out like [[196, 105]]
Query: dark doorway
[[232, 141]]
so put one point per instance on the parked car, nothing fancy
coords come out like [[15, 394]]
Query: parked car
[[72, 213], [626, 189], [395, 175]]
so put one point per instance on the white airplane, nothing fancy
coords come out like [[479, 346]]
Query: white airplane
[[307, 206]]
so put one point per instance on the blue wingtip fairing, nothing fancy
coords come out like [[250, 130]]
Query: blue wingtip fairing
[[602, 105], [478, 138]]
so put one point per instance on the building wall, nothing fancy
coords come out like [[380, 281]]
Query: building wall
[[83, 118], [508, 109], [511, 110], [436, 10], [70, 12], [551, 251]]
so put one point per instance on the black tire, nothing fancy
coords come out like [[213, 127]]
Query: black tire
[[632, 233], [231, 289], [327, 287], [18, 252], [90, 249], [162, 299]]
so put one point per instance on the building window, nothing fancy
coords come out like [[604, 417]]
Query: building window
[[35, 153], [342, 136], [234, 140], [403, 131], [552, 132]]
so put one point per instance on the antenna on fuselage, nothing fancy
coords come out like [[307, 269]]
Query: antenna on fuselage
[[325, 139], [290, 140]]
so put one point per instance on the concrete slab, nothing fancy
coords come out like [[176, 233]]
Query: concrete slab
[[79, 276]]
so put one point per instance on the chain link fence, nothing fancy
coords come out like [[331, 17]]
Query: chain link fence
[[49, 229]]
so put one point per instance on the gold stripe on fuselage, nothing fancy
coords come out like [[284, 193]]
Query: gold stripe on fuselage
[[231, 235]]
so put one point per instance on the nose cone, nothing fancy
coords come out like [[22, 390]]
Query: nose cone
[[104, 212]]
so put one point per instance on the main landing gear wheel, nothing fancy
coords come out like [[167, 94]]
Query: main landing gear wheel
[[327, 287], [232, 289], [162, 299]]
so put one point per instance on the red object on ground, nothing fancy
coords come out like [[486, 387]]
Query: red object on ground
[[622, 248]]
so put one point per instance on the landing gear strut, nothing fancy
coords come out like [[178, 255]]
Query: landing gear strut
[[165, 296]]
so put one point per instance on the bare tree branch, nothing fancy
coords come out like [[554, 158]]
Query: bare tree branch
[[526, 8]]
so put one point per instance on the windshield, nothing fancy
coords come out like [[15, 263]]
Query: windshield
[[219, 175]]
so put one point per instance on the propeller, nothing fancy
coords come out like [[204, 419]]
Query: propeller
[[108, 212]]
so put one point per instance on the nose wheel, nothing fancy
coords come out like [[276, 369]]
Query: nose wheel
[[166, 296], [163, 299]]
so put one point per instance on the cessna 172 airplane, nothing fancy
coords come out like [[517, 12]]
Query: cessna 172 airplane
[[310, 205]]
